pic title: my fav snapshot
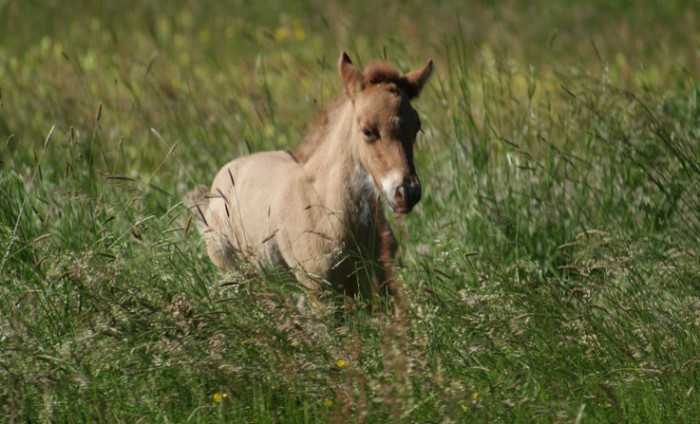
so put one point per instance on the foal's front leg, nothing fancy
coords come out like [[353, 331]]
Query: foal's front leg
[[386, 251]]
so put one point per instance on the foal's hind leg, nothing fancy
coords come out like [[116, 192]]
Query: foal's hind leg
[[212, 224], [220, 253]]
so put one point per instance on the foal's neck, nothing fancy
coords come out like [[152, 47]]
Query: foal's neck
[[341, 181]]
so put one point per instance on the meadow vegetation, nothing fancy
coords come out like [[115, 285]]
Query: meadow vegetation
[[551, 272]]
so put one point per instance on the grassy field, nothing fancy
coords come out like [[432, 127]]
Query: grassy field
[[551, 271]]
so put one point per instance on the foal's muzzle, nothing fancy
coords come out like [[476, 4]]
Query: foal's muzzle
[[407, 195]]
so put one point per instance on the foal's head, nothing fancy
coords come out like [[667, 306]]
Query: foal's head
[[385, 126]]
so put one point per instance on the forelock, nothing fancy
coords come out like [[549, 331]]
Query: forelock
[[378, 73], [383, 73]]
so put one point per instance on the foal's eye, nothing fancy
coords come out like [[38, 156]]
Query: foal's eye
[[368, 134]]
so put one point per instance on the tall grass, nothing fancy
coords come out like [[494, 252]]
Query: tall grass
[[550, 273]]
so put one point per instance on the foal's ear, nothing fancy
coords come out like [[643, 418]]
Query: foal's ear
[[415, 80], [353, 80]]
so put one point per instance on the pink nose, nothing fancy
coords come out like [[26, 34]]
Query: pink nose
[[408, 194]]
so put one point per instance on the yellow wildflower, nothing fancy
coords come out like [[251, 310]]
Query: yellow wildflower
[[281, 33], [218, 397], [340, 363], [328, 403]]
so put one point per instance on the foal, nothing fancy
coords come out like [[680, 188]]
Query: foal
[[317, 213]]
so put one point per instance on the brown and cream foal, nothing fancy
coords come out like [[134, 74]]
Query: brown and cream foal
[[318, 212]]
